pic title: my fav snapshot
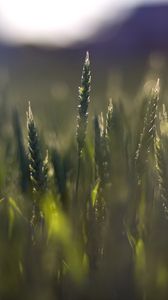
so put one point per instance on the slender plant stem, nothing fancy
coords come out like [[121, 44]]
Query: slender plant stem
[[77, 179]]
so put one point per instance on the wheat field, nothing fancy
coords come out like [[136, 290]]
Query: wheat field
[[88, 220]]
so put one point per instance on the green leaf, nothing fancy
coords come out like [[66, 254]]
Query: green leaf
[[13, 204], [95, 192]]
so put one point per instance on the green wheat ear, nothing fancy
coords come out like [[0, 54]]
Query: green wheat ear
[[161, 150], [101, 150], [84, 99], [37, 168], [109, 117], [146, 143], [82, 118], [113, 120]]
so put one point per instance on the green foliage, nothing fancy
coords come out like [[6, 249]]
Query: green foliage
[[59, 230], [60, 175]]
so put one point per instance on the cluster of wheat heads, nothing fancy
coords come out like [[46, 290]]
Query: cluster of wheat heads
[[90, 223]]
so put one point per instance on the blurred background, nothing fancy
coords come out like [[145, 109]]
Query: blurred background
[[43, 44]]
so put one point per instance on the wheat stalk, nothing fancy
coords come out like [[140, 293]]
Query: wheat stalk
[[148, 134], [161, 150], [37, 167], [82, 118], [101, 150]]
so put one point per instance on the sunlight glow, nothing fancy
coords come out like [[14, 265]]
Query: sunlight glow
[[54, 21]]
